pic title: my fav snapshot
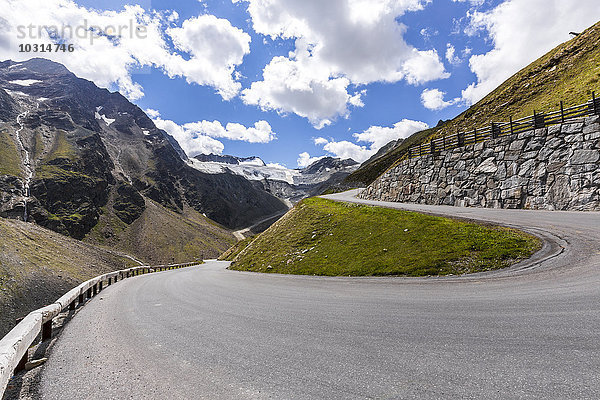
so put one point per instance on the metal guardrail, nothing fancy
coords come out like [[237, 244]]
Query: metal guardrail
[[14, 347], [498, 129]]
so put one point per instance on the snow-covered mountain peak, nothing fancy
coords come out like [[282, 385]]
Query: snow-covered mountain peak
[[285, 183]]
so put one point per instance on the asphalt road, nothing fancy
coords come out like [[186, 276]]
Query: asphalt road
[[530, 331]]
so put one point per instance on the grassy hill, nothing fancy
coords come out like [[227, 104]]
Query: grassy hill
[[570, 73], [37, 266], [323, 237], [160, 235], [10, 164]]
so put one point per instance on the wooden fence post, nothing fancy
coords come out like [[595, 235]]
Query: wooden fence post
[[562, 112], [494, 133], [475, 135], [511, 126], [539, 121], [595, 104]]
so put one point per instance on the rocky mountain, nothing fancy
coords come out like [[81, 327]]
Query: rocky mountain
[[225, 159], [72, 153], [290, 185]]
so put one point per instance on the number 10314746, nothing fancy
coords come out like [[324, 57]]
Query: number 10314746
[[46, 48]]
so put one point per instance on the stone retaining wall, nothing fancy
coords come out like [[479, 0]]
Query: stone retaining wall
[[554, 168]]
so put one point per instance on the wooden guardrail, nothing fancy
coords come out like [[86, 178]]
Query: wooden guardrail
[[14, 347], [511, 127]]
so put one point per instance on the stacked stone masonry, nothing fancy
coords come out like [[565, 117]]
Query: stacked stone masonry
[[554, 168]]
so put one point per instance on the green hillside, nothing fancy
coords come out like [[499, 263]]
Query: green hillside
[[37, 266], [570, 73], [160, 235], [324, 237], [10, 164]]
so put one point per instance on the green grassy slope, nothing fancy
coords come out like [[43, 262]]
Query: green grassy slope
[[570, 73], [323, 237], [37, 266], [160, 235], [236, 249], [10, 163]]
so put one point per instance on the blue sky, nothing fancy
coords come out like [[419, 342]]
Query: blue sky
[[303, 79]]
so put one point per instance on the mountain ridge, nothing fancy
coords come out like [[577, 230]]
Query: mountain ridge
[[289, 185], [85, 141]]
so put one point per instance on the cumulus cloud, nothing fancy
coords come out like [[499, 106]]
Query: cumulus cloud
[[261, 132], [152, 113], [345, 149], [201, 137], [304, 159], [433, 99], [192, 144], [288, 86], [520, 36], [339, 44], [207, 49], [216, 48], [378, 136], [375, 137]]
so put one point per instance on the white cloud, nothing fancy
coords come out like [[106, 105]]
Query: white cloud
[[110, 58], [379, 136], [215, 47], [152, 113], [192, 144], [345, 149], [520, 36], [423, 67], [201, 137], [304, 159], [288, 86], [338, 43], [451, 55], [433, 99], [428, 33], [376, 137], [261, 132], [356, 99]]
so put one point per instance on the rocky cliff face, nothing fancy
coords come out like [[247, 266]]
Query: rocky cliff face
[[71, 145], [555, 168]]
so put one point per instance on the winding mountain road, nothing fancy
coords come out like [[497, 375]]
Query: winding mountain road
[[530, 331]]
